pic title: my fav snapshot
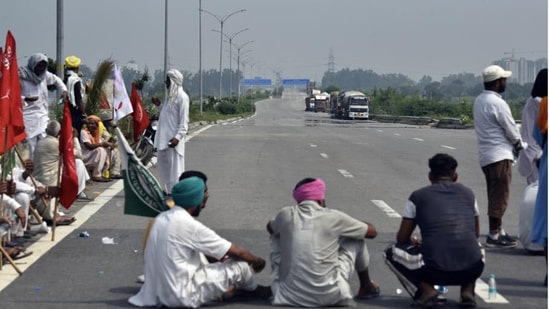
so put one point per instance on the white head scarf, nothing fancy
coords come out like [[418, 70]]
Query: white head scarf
[[176, 79], [27, 73]]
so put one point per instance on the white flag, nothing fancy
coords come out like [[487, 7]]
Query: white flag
[[121, 100]]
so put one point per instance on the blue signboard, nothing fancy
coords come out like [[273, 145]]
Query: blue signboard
[[294, 82], [256, 82]]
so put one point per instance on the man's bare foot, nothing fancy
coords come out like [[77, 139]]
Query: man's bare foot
[[369, 291]]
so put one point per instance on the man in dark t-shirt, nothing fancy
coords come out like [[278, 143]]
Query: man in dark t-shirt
[[446, 212]]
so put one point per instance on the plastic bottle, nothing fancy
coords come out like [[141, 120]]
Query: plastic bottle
[[492, 290], [442, 289]]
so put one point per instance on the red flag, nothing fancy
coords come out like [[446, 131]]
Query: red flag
[[69, 179], [11, 107], [140, 118]]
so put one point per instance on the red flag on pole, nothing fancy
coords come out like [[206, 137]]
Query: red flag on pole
[[11, 107], [140, 118], [69, 179]]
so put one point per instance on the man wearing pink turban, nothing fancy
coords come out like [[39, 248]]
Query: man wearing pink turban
[[315, 250]]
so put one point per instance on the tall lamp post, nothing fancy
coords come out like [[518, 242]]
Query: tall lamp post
[[221, 21], [238, 48], [230, 39]]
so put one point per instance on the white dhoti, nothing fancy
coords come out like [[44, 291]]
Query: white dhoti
[[170, 165]]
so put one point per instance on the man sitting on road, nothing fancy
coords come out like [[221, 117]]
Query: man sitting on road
[[315, 250], [446, 212], [176, 270]]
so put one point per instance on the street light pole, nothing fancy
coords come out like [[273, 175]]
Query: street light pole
[[238, 48], [200, 50], [222, 21], [230, 39], [165, 38]]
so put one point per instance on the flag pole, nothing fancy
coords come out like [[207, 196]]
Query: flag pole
[[54, 223], [3, 253]]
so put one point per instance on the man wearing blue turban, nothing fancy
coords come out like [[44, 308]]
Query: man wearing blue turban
[[176, 269]]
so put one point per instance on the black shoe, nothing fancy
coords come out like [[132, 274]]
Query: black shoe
[[503, 241]]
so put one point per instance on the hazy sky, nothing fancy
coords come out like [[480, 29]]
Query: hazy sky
[[412, 37]]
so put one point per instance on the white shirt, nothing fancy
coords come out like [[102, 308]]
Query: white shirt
[[526, 166], [173, 267], [173, 122], [35, 114], [495, 127]]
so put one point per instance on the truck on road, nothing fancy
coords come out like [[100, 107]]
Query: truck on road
[[351, 105]]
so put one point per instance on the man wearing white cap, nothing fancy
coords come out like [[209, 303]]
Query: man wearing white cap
[[76, 91], [499, 143]]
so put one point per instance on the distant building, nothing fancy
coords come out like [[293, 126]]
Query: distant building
[[524, 71]]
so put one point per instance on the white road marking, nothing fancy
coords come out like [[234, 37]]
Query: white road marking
[[481, 289], [381, 131], [418, 139], [313, 146], [397, 134], [44, 243], [386, 208], [346, 174], [448, 147], [325, 156]]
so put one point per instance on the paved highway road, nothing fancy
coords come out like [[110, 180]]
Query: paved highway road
[[252, 164]]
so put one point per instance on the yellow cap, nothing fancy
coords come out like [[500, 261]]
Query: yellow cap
[[72, 62]]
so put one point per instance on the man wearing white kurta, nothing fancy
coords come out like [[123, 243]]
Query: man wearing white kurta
[[172, 129], [34, 80], [176, 269]]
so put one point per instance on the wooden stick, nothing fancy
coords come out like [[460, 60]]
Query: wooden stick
[[10, 260], [54, 223]]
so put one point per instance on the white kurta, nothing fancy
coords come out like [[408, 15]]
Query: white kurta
[[35, 114], [175, 275], [172, 122]]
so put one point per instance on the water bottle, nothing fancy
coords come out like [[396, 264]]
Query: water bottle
[[492, 291], [442, 289]]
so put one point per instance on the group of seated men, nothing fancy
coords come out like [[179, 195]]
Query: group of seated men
[[314, 249], [33, 183]]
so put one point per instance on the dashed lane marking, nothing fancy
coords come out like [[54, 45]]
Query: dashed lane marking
[[346, 174], [313, 146], [380, 131], [418, 139], [386, 209], [325, 156], [396, 134], [447, 147]]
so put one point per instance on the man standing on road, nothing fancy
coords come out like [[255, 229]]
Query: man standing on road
[[172, 129], [499, 143], [35, 80], [76, 92], [315, 250], [176, 270]]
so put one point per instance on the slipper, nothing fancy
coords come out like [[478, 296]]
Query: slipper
[[100, 179], [118, 176], [428, 303], [21, 254], [374, 294], [66, 221], [467, 302]]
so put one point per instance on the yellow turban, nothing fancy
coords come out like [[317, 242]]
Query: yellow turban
[[72, 62]]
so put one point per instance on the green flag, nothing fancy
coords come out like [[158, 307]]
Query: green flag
[[143, 194]]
